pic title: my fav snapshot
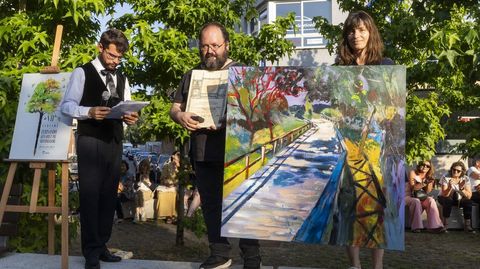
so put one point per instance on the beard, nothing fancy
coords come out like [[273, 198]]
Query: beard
[[106, 65], [214, 62]]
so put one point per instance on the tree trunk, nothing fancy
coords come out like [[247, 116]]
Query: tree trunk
[[179, 239], [38, 132]]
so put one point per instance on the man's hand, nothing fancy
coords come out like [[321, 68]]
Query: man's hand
[[130, 118], [188, 120], [98, 112]]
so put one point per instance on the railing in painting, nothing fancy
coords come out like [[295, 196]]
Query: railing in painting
[[276, 144]]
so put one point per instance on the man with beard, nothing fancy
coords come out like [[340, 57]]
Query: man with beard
[[208, 150], [91, 92]]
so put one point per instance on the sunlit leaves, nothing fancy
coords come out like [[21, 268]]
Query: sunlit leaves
[[438, 42]]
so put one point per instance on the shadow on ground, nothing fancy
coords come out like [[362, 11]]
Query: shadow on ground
[[155, 240]]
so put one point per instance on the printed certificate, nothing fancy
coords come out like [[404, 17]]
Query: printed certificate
[[207, 96]]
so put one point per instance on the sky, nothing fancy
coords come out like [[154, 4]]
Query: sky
[[120, 10]]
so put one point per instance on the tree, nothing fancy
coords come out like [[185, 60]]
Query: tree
[[27, 31], [262, 107], [438, 42], [160, 33]]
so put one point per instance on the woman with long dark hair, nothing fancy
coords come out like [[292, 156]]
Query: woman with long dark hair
[[420, 183], [361, 45]]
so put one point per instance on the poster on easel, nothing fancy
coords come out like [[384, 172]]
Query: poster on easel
[[41, 132]]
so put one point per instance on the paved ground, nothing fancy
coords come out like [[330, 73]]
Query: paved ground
[[43, 261], [153, 247], [155, 240]]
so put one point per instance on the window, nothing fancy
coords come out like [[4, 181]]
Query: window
[[256, 23], [306, 35]]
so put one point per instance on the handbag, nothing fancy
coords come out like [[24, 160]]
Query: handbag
[[420, 194]]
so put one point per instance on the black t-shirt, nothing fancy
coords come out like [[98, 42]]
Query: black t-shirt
[[385, 61], [206, 145]]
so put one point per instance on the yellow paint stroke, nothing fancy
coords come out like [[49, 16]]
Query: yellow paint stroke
[[361, 171]]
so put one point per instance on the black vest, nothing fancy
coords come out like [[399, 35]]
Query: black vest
[[106, 129]]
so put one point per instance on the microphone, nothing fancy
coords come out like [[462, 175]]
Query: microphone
[[105, 97]]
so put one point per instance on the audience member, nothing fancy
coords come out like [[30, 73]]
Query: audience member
[[169, 176], [474, 176], [125, 190], [143, 187], [420, 184], [457, 190]]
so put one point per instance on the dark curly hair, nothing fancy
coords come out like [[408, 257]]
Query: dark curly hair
[[459, 163]]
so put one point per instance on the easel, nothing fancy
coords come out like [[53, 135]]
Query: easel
[[38, 166]]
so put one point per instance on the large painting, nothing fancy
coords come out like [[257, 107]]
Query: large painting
[[41, 131], [316, 155]]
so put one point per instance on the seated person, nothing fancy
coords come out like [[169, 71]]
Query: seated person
[[421, 180], [474, 175], [143, 190], [457, 190], [169, 175], [125, 189], [169, 180]]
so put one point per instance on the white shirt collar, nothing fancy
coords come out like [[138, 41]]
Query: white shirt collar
[[98, 65]]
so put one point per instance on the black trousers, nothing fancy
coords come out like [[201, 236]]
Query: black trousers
[[448, 202], [99, 173], [210, 187], [476, 197]]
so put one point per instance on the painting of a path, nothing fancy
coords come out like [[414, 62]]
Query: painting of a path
[[316, 155]]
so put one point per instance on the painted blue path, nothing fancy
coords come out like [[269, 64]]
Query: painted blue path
[[276, 200]]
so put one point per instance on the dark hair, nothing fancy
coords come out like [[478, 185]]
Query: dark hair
[[222, 28], [461, 164], [374, 49], [144, 164], [126, 164], [173, 154], [116, 37], [430, 171]]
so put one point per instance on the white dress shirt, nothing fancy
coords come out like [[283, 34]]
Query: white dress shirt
[[474, 182], [71, 101]]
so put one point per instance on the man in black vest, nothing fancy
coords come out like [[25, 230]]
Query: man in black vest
[[93, 89], [208, 151]]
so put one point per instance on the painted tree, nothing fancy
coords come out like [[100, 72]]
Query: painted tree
[[438, 42], [261, 96], [45, 99]]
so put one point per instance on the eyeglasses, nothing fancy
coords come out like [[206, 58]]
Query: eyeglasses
[[456, 170], [112, 56], [425, 165], [213, 47]]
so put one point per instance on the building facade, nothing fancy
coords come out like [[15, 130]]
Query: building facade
[[310, 47]]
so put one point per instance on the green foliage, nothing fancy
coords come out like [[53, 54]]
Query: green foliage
[[161, 34], [438, 43], [196, 224], [45, 98], [33, 228], [27, 33]]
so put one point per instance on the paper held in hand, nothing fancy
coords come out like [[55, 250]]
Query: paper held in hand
[[207, 96], [125, 107]]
